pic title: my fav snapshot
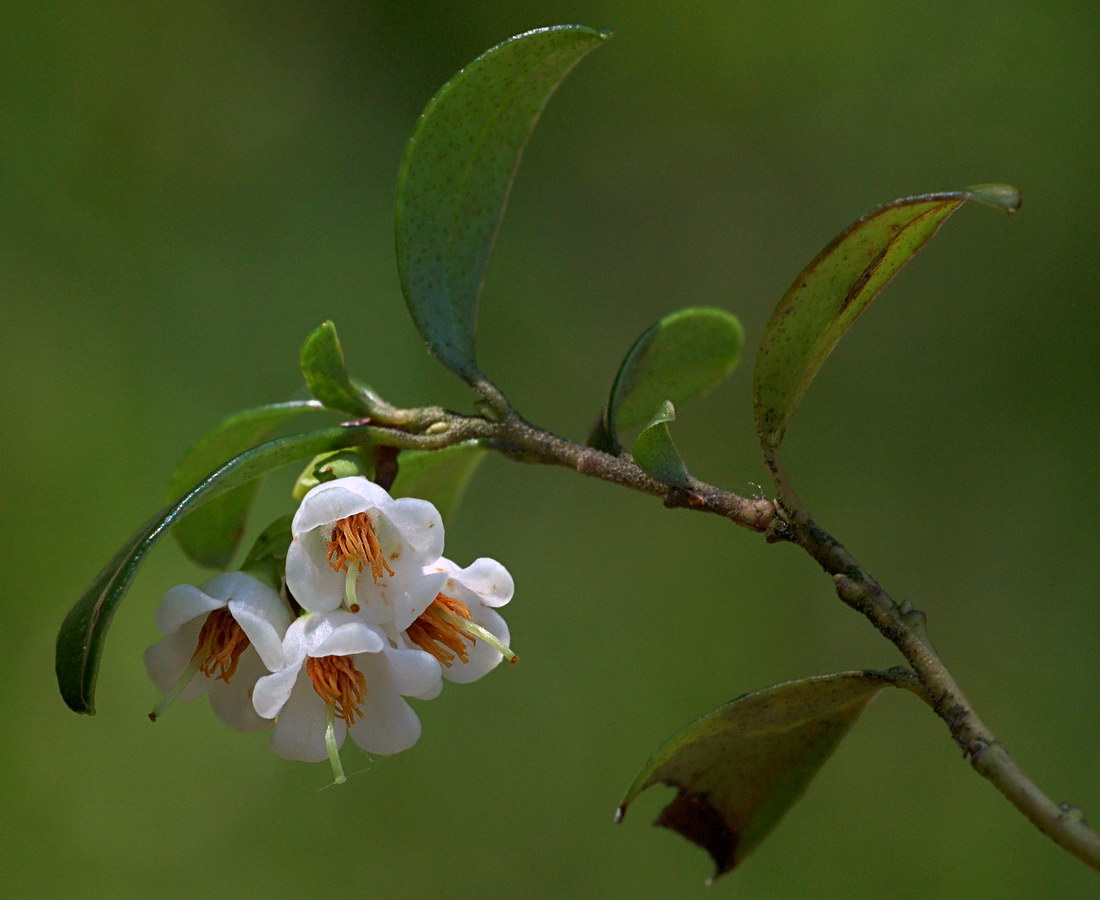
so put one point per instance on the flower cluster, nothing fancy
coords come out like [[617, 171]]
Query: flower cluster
[[370, 613]]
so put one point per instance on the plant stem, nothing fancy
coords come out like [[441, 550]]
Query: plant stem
[[904, 626]]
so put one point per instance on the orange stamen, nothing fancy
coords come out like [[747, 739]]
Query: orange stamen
[[221, 643], [339, 684], [438, 636], [354, 541]]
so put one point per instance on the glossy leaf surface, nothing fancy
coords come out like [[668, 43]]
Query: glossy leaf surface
[[80, 641], [210, 535], [456, 175], [836, 287], [326, 375], [678, 358], [440, 476], [739, 769], [656, 454]]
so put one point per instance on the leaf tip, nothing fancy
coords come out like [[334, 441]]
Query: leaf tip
[[1001, 196]]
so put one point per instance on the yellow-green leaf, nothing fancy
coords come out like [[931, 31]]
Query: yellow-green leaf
[[656, 454], [836, 287]]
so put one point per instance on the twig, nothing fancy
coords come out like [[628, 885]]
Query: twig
[[901, 624]]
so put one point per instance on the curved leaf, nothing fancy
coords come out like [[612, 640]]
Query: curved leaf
[[326, 375], [739, 769], [210, 536], [677, 358], [836, 287], [655, 453], [457, 173], [80, 641], [440, 476]]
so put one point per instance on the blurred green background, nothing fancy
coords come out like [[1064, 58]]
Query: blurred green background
[[187, 189]]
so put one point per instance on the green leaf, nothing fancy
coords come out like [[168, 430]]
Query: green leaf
[[267, 558], [457, 173], [678, 358], [80, 641], [836, 287], [440, 476], [210, 536], [329, 467], [739, 769], [322, 362], [655, 453]]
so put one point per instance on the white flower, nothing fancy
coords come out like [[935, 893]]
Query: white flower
[[461, 627], [340, 675], [219, 639], [355, 546]]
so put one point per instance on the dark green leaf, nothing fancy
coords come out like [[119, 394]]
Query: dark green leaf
[[80, 641], [210, 535], [267, 558], [678, 358], [836, 287], [457, 173], [739, 769], [322, 362], [440, 476], [655, 453]]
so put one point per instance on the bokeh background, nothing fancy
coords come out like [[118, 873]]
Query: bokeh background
[[187, 189]]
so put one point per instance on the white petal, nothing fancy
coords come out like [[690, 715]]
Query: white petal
[[420, 525], [342, 634], [167, 659], [264, 617], [487, 578], [388, 725], [183, 603], [334, 500], [299, 732], [232, 702], [416, 596], [311, 580], [413, 673], [273, 691]]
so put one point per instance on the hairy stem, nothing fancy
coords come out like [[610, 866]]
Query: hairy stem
[[904, 626]]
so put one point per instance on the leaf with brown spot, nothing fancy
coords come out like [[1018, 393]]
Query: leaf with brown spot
[[739, 769], [834, 289]]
